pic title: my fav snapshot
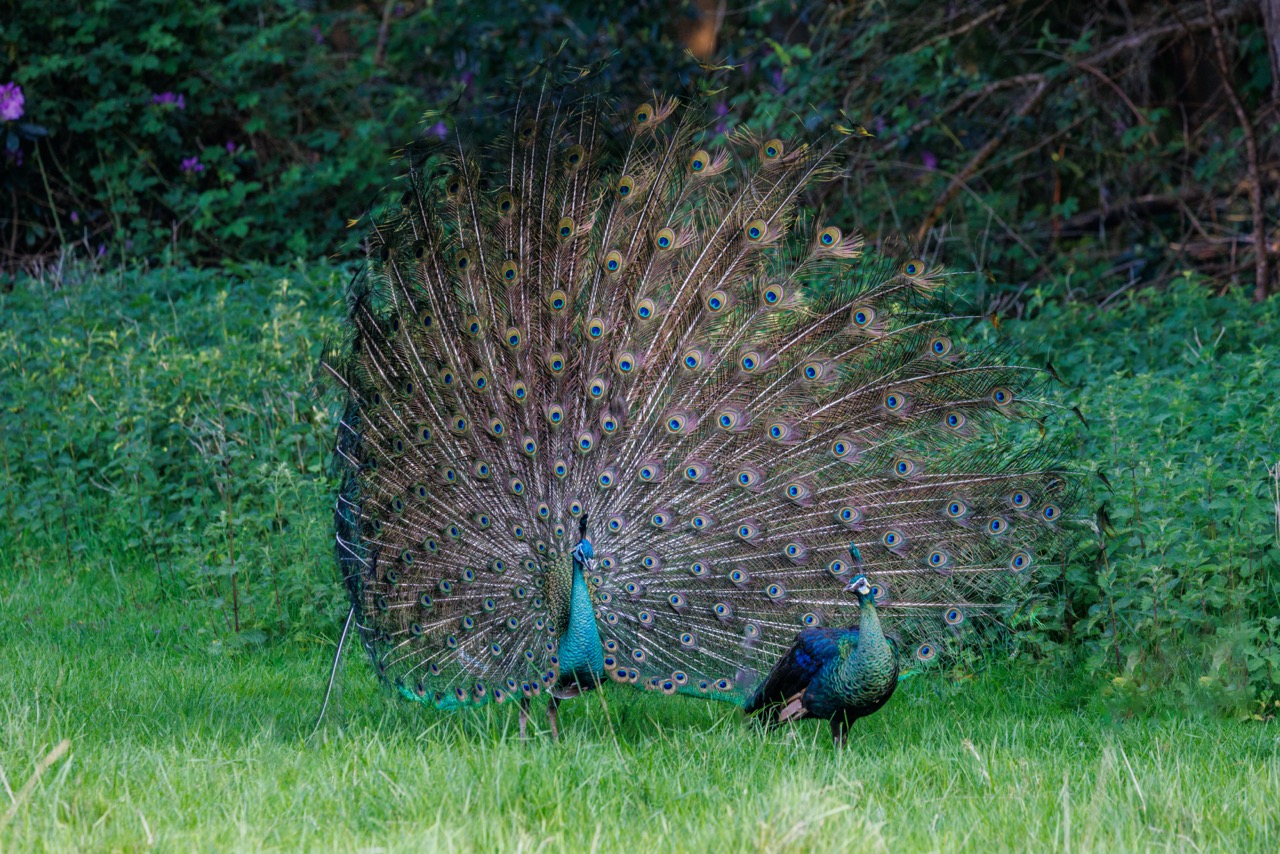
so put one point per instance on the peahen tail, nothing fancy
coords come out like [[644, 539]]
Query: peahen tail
[[606, 312]]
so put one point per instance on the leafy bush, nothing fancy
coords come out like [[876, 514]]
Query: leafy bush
[[1050, 142], [159, 424]]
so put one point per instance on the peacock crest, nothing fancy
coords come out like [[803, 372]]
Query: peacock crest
[[601, 313]]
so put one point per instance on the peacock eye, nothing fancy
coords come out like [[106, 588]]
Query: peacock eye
[[512, 337], [626, 186], [506, 203], [462, 262], [480, 381], [648, 472], [779, 431], [1019, 561], [561, 468], [676, 422], [481, 469], [954, 420], [716, 301], [913, 268], [998, 525], [625, 362], [749, 362], [939, 558], [747, 532], [699, 161], [773, 294], [1001, 396], [953, 616], [844, 448], [645, 309], [926, 652], [775, 591], [692, 359], [904, 467], [613, 261], [837, 567], [894, 401], [564, 228], [829, 236], [795, 491], [574, 155], [698, 569], [595, 328], [756, 230], [863, 316], [586, 441], [893, 539], [771, 150], [1050, 512], [510, 271], [643, 114], [473, 325], [529, 445], [575, 508], [616, 524], [606, 478], [957, 509], [847, 515], [695, 472], [728, 419], [940, 346], [1019, 499], [748, 477], [496, 427], [660, 519], [665, 238]]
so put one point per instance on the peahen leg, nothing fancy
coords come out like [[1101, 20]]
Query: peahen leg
[[524, 718], [553, 707], [839, 727]]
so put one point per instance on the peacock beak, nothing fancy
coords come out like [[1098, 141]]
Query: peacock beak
[[859, 585]]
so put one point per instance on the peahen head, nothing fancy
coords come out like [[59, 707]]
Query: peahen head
[[862, 587]]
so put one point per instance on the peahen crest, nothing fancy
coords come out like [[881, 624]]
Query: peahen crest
[[602, 313]]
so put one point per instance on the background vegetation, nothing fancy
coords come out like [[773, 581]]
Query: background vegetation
[[1105, 176]]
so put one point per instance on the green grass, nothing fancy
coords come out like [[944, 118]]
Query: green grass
[[179, 748]]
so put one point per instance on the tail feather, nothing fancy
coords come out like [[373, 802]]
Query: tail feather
[[599, 312]]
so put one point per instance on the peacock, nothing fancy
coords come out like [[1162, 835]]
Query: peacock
[[618, 406]]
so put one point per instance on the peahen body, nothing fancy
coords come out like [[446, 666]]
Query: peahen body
[[606, 314], [835, 674]]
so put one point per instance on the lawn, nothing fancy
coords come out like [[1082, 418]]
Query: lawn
[[169, 746], [134, 714]]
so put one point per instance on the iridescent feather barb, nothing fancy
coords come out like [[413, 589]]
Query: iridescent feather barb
[[600, 312]]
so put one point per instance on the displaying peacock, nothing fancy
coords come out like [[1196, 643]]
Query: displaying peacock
[[618, 407]]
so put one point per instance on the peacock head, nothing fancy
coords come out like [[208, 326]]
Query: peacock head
[[584, 553], [860, 586]]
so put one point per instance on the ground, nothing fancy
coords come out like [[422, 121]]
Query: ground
[[170, 746]]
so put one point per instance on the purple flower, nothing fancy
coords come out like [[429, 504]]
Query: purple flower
[[317, 35], [778, 84], [75, 216], [192, 164], [102, 249], [231, 146], [164, 98], [929, 159], [11, 102], [439, 129]]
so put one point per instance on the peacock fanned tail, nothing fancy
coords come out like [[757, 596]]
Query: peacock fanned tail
[[601, 313]]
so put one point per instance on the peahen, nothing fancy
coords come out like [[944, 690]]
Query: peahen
[[611, 316], [836, 674]]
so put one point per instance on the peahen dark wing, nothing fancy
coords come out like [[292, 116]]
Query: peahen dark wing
[[798, 666]]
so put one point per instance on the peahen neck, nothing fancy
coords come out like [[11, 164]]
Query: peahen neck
[[872, 660]]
